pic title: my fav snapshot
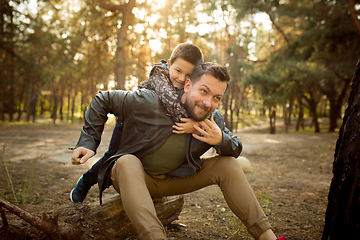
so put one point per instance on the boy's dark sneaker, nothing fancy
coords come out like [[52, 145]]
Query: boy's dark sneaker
[[79, 192]]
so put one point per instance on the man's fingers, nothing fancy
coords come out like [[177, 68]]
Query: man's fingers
[[85, 158], [81, 155]]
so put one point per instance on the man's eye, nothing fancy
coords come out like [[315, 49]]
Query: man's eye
[[203, 90], [218, 99]]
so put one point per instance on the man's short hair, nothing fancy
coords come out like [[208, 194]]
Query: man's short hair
[[217, 71], [189, 52]]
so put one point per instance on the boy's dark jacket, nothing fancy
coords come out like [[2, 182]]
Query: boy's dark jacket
[[147, 126]]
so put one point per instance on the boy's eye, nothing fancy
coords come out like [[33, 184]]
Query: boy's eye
[[178, 70]]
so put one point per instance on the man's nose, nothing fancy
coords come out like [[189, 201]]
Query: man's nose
[[207, 101]]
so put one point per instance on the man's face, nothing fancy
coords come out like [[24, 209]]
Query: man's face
[[203, 97], [179, 71]]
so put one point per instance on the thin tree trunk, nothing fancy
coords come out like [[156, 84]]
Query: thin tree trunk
[[120, 55], [61, 99], [300, 121], [68, 103], [73, 104], [272, 117], [56, 103]]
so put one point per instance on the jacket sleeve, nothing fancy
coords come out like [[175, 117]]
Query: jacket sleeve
[[115, 102], [231, 145]]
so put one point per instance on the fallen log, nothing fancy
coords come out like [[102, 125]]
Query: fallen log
[[94, 221], [113, 218], [45, 223]]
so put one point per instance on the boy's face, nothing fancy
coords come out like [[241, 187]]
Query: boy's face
[[179, 71]]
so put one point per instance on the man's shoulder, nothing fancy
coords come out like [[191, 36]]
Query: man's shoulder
[[137, 95], [145, 95]]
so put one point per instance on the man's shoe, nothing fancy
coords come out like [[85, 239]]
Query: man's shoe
[[79, 192]]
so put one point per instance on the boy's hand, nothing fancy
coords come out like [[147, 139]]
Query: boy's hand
[[186, 126], [81, 155], [210, 132]]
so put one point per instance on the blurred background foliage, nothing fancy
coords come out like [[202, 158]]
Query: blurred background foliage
[[287, 58]]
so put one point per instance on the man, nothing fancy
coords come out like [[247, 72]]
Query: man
[[156, 161]]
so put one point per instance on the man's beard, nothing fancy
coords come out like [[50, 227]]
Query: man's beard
[[190, 109]]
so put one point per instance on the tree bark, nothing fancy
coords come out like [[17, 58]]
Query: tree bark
[[312, 103], [120, 60], [300, 121], [272, 118], [342, 219]]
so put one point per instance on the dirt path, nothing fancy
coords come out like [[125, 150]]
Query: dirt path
[[290, 175]]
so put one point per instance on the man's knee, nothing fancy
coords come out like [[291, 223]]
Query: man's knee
[[127, 162], [228, 163], [228, 167]]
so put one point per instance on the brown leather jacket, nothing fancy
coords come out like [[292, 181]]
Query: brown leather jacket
[[147, 125]]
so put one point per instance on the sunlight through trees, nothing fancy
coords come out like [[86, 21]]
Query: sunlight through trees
[[288, 58]]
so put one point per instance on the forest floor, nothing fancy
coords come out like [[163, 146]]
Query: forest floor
[[290, 174]]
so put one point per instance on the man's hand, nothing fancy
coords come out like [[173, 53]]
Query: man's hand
[[81, 155], [210, 132]]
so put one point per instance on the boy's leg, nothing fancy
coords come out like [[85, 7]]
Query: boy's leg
[[226, 172], [128, 178], [89, 178]]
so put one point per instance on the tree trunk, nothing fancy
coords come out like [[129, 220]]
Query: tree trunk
[[61, 99], [68, 102], [73, 104], [342, 219], [120, 60], [93, 221], [300, 121], [287, 117], [312, 108], [55, 101], [272, 117]]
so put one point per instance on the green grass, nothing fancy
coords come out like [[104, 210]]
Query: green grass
[[24, 192]]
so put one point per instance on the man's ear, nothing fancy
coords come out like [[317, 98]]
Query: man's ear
[[187, 85], [168, 64]]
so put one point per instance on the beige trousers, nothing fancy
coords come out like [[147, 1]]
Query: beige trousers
[[137, 188]]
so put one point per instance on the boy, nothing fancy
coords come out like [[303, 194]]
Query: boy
[[184, 58]]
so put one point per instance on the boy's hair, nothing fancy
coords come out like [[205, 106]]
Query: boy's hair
[[189, 52], [217, 71]]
